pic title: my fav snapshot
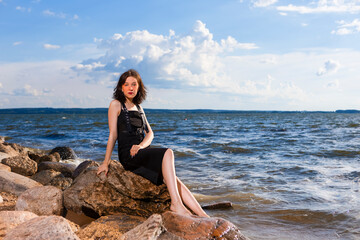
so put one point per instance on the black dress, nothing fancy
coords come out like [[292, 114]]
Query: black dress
[[148, 161]]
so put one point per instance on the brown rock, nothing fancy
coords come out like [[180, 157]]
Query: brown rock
[[44, 177], [82, 166], [10, 219], [3, 155], [9, 201], [61, 182], [120, 192], [42, 228], [21, 164], [4, 167], [219, 205], [55, 157], [9, 149], [44, 200], [65, 168], [15, 183], [150, 229], [110, 227], [193, 227]]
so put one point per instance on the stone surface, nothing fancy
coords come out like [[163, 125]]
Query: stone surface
[[3, 155], [21, 164], [65, 168], [193, 227], [120, 192], [44, 177], [15, 183], [4, 167], [54, 157], [110, 227], [43, 228], [9, 201], [82, 166], [65, 152], [1, 199], [219, 205], [61, 182], [44, 200], [10, 219], [10, 149], [150, 229]]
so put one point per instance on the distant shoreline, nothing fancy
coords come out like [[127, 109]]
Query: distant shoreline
[[104, 110]]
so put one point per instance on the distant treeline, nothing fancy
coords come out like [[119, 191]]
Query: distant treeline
[[105, 110]]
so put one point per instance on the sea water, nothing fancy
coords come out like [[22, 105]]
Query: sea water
[[289, 175]]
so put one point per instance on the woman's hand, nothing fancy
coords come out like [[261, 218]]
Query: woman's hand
[[103, 168], [134, 150]]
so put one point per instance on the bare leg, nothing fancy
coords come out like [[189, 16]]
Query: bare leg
[[190, 200], [168, 171]]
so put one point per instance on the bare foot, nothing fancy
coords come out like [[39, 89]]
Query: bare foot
[[180, 209]]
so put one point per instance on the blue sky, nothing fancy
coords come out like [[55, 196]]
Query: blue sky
[[241, 55]]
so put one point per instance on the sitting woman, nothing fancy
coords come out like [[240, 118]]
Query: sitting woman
[[128, 125]]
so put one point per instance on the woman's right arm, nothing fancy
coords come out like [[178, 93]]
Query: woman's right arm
[[113, 113]]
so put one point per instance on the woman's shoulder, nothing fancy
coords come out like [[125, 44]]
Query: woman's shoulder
[[115, 106]]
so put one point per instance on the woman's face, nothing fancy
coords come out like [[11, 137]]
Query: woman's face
[[130, 88]]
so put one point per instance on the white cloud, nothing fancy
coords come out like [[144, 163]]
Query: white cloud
[[1, 86], [49, 13], [346, 28], [50, 46], [28, 90], [17, 43], [173, 60], [330, 66], [263, 3], [75, 17], [324, 6], [23, 9]]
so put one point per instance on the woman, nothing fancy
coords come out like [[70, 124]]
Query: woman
[[127, 124]]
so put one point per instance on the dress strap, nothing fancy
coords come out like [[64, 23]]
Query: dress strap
[[143, 118]]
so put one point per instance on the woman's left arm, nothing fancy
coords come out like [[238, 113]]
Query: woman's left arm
[[149, 136]]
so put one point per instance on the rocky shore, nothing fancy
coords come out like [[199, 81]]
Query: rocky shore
[[44, 198]]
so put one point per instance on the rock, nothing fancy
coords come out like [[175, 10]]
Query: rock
[[10, 219], [43, 228], [15, 183], [3, 155], [44, 200], [82, 166], [65, 152], [11, 149], [110, 227], [65, 168], [21, 164], [54, 157], [150, 229], [44, 177], [35, 157], [219, 205], [4, 167], [61, 182], [1, 199], [9, 201], [2, 139], [194, 227], [120, 192]]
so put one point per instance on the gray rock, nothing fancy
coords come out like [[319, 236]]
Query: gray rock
[[44, 200], [66, 169], [10, 219], [45, 176], [82, 166], [42, 228], [65, 152], [15, 183]]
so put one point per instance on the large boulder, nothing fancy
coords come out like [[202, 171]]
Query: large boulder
[[39, 158], [9, 201], [11, 149], [44, 200], [45, 176], [43, 228], [65, 152], [21, 164], [66, 169], [15, 183], [150, 229], [120, 192], [10, 219], [194, 227], [110, 227]]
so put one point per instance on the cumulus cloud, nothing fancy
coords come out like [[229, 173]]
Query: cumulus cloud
[[346, 28], [172, 60], [28, 90], [50, 46], [49, 13], [324, 6], [330, 66], [263, 3], [23, 9]]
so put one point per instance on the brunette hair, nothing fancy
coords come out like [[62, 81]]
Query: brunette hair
[[141, 94]]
